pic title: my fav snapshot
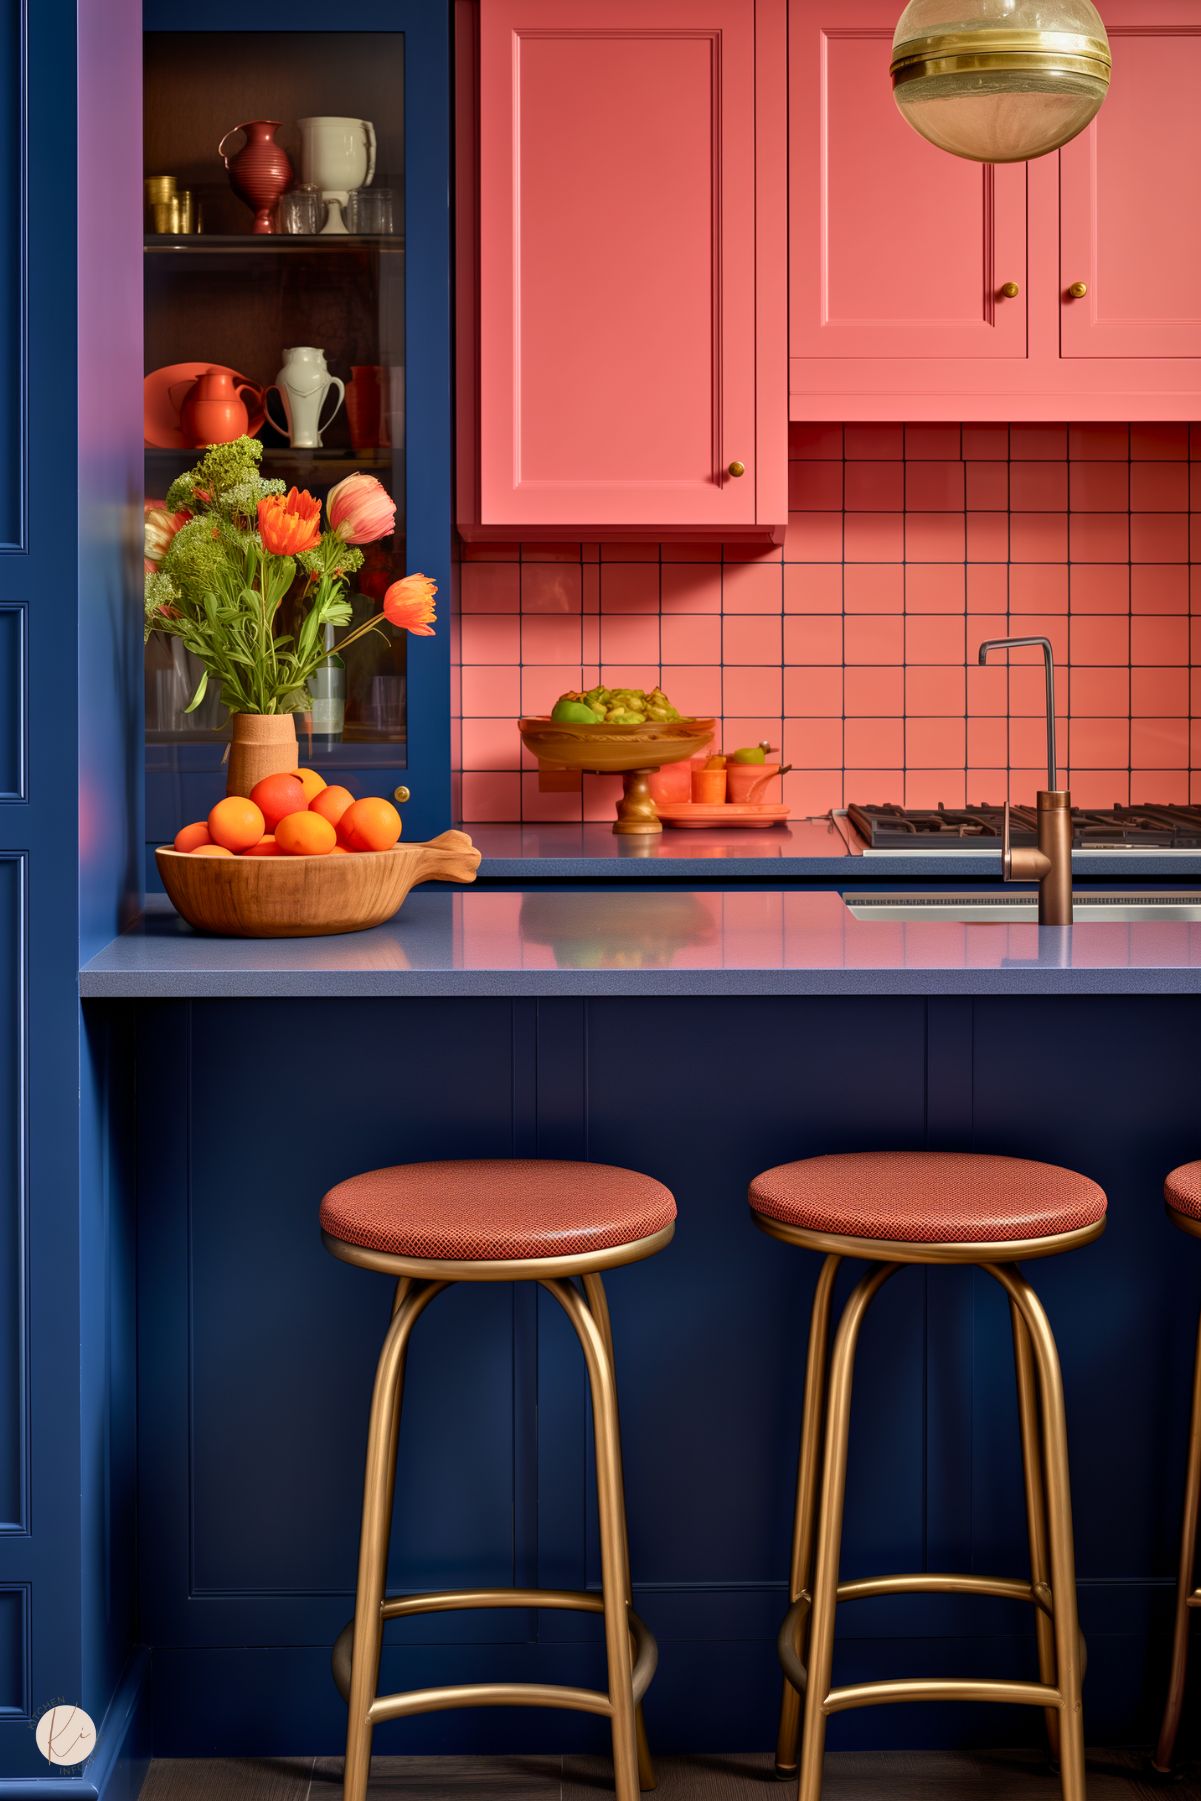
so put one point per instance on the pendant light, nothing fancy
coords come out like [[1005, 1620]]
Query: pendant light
[[1000, 81]]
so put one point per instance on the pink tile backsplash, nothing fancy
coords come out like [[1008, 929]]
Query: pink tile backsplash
[[853, 646]]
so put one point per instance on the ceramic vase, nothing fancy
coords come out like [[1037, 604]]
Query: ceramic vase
[[260, 172], [364, 407], [213, 410], [302, 385], [335, 156], [260, 744]]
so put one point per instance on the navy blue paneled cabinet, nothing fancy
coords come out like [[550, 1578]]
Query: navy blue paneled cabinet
[[71, 738], [70, 483]]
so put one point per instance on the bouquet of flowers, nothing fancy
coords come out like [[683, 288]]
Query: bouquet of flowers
[[224, 548]]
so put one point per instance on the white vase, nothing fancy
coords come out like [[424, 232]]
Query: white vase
[[335, 156], [302, 384]]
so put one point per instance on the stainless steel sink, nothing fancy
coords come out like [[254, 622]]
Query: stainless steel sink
[[1092, 907]]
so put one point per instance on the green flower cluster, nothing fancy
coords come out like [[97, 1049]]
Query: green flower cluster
[[223, 468]]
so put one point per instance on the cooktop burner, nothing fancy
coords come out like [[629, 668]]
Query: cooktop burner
[[959, 828]]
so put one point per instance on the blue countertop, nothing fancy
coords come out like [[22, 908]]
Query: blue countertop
[[805, 850], [645, 942]]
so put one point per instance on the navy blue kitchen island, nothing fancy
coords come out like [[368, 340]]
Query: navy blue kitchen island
[[698, 1035]]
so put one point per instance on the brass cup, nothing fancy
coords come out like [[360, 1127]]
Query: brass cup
[[165, 215]]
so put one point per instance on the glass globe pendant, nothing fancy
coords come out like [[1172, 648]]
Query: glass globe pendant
[[1000, 81]]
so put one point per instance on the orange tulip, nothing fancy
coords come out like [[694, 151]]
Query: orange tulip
[[409, 604], [289, 523]]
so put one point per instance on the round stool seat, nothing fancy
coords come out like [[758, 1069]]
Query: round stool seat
[[914, 1198], [1182, 1191], [492, 1212]]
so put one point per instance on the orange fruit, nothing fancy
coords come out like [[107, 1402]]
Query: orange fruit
[[331, 803], [339, 850], [191, 837], [266, 847], [311, 782], [236, 823], [278, 795], [305, 835], [211, 850], [371, 824]]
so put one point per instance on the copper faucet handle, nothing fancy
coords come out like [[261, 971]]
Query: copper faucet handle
[[1006, 846]]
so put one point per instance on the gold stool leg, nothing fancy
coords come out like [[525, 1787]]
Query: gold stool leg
[[1059, 1526], [1036, 1516], [808, 1470], [594, 1290], [1164, 1750], [829, 1531], [378, 1488], [612, 1536]]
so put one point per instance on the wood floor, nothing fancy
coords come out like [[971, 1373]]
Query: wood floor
[[887, 1776]]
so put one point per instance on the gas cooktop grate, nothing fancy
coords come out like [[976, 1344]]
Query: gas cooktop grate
[[1146, 827]]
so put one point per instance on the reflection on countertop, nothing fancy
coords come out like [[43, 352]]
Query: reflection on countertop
[[645, 942]]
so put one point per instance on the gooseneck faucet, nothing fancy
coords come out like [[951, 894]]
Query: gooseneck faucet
[[1050, 865]]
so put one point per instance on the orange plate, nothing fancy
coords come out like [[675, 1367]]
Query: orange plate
[[161, 411], [691, 813]]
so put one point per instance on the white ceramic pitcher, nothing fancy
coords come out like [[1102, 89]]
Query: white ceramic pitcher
[[302, 384], [335, 156]]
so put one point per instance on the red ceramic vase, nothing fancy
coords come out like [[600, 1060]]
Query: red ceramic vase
[[364, 407], [260, 172]]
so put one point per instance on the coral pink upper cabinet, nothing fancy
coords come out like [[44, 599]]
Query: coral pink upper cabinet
[[901, 254], [1131, 194], [631, 277], [898, 250]]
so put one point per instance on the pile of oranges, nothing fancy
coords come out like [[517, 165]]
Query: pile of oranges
[[292, 815]]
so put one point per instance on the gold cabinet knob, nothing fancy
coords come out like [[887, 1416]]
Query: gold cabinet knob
[[1078, 290], [401, 795], [737, 468], [1011, 290]]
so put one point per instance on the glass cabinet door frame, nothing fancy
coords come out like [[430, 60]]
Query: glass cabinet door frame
[[426, 28]]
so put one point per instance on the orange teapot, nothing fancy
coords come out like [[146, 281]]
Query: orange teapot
[[213, 411]]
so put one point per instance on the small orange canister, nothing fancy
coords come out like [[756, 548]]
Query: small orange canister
[[709, 787]]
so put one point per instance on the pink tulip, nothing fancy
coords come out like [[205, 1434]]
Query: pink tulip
[[360, 510], [160, 527]]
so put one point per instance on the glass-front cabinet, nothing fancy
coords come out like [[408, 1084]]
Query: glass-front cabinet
[[297, 288]]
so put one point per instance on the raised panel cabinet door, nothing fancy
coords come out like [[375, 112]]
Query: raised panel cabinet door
[[897, 249], [617, 262], [1130, 194]]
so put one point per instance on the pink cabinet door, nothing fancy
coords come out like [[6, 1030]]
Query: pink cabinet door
[[897, 249], [617, 269], [1130, 194]]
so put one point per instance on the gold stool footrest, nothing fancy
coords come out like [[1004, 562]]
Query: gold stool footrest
[[496, 1694], [999, 1588]]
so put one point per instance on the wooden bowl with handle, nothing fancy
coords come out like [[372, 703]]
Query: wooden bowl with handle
[[308, 897]]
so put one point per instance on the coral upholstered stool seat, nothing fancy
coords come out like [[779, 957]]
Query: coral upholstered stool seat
[[890, 1208], [497, 1220], [913, 1198], [495, 1211], [1182, 1194]]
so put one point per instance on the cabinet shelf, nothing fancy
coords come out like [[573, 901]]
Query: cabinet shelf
[[268, 244], [325, 463]]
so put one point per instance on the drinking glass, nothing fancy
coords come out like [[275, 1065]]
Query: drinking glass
[[371, 212], [301, 211]]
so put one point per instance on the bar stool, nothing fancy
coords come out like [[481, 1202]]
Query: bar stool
[[511, 1220], [1182, 1192], [915, 1207]]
